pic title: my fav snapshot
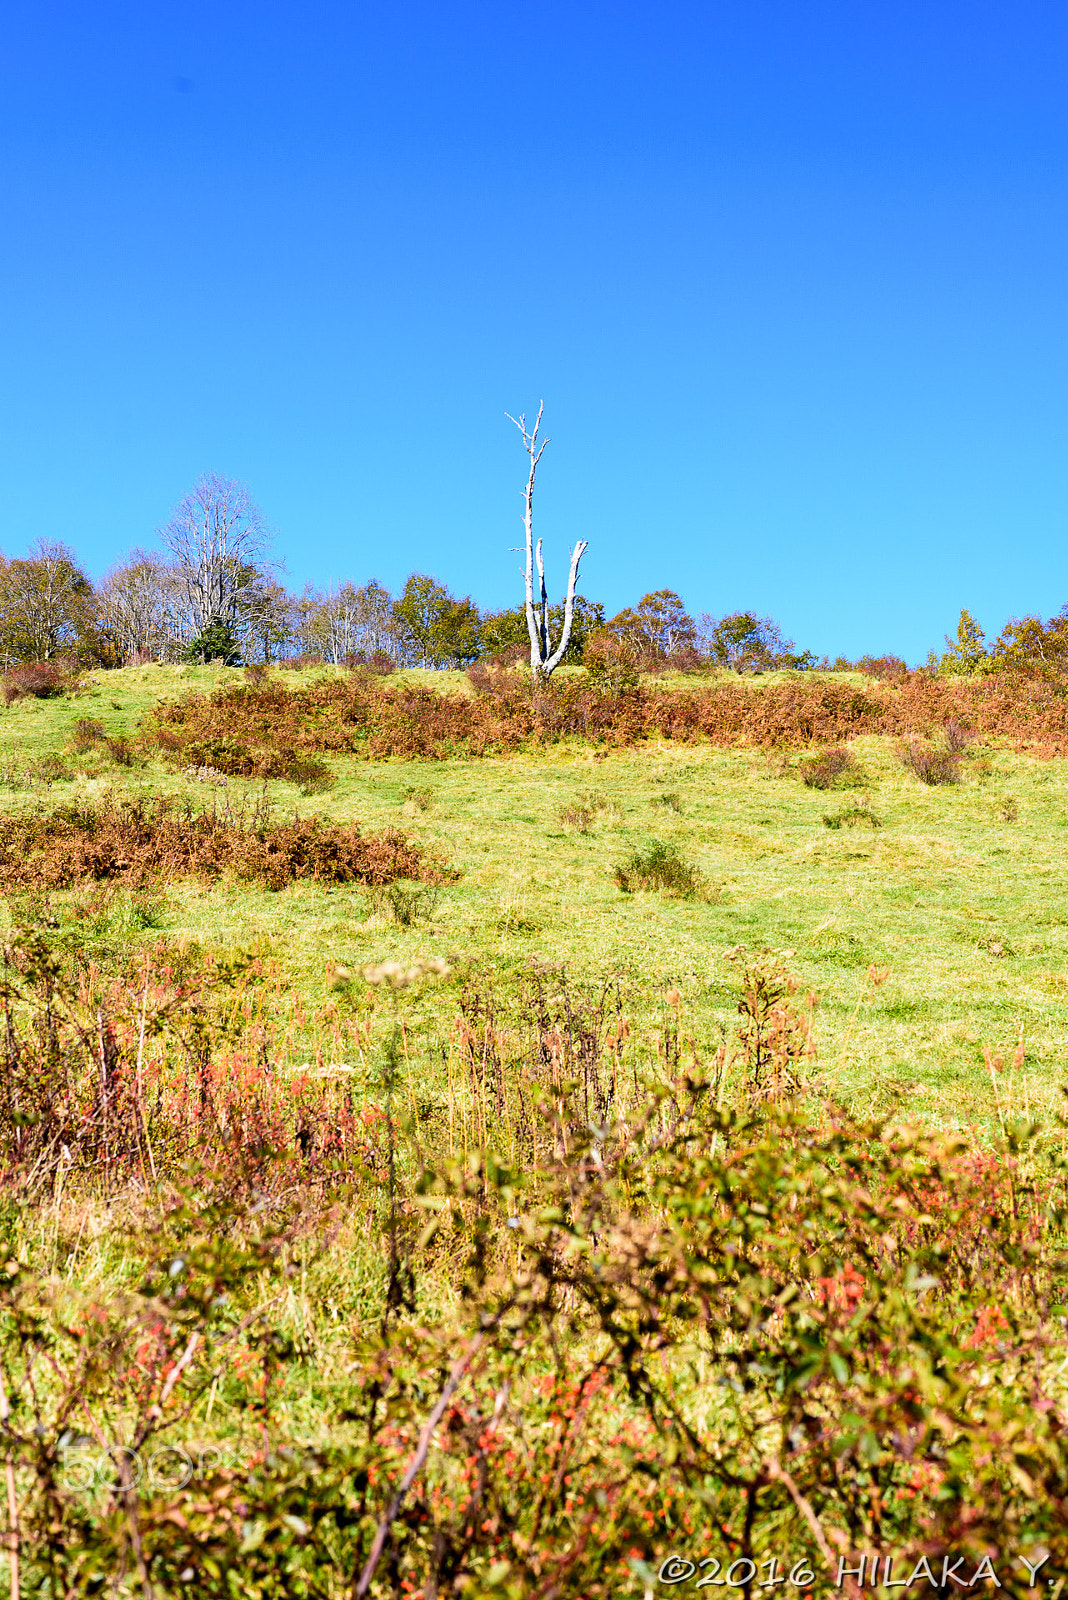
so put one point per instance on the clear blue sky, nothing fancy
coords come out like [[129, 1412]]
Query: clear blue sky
[[790, 277]]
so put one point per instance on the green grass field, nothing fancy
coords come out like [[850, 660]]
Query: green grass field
[[958, 894]]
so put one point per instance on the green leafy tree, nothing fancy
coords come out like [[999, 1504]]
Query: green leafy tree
[[455, 637], [217, 643], [437, 629], [506, 631], [744, 642], [417, 613], [967, 654]]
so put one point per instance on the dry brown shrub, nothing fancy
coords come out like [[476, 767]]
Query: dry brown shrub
[[38, 680], [833, 769], [85, 733], [931, 764], [266, 730], [141, 845]]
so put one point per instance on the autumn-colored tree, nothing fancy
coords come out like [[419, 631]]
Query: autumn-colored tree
[[47, 606], [1027, 644]]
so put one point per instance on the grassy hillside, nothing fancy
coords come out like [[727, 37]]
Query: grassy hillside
[[956, 893], [720, 1220]]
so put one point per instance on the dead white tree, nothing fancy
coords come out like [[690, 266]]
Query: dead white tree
[[543, 658]]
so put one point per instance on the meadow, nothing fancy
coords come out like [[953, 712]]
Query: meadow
[[646, 1156]]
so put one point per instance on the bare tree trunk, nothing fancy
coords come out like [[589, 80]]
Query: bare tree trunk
[[543, 658]]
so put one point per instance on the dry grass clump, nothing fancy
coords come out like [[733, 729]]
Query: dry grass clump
[[88, 734], [407, 903], [659, 866], [581, 814], [142, 845], [18, 774], [417, 797], [832, 769], [37, 680]]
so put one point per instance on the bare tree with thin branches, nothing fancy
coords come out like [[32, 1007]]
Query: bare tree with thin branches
[[543, 658], [217, 535]]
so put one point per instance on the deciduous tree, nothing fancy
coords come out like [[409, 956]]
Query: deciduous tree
[[967, 653], [218, 538], [658, 626], [745, 642], [47, 605], [440, 630]]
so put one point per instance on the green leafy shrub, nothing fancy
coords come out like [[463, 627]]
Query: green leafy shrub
[[216, 643], [659, 866], [407, 903]]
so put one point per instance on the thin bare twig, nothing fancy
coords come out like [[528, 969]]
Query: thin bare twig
[[455, 1378]]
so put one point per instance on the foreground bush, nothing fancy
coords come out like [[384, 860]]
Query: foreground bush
[[931, 764], [141, 846], [659, 866], [688, 1319], [683, 1325]]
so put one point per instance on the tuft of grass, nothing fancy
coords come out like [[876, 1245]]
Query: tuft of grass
[[659, 866], [417, 797], [581, 814], [852, 817], [671, 799], [407, 903]]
